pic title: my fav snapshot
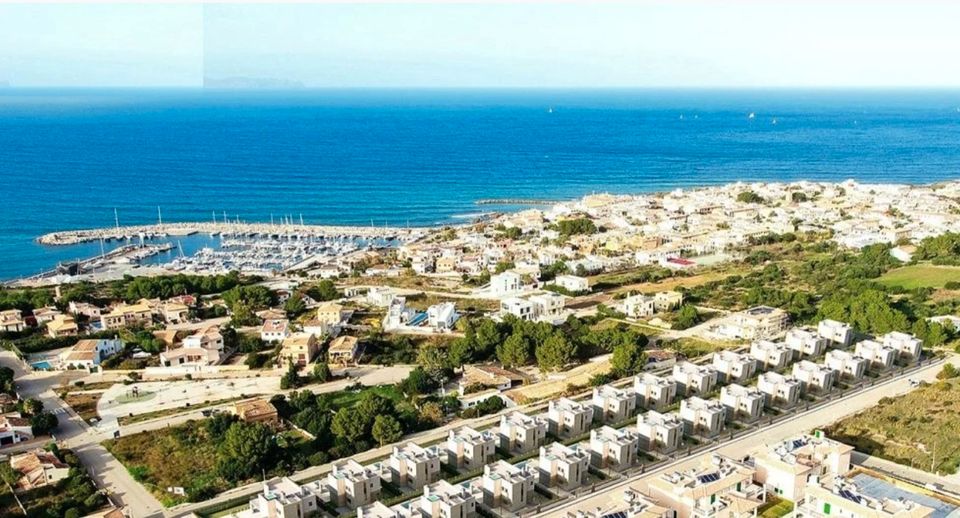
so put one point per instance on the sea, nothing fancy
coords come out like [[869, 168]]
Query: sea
[[70, 158]]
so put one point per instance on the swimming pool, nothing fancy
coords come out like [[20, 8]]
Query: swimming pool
[[42, 365]]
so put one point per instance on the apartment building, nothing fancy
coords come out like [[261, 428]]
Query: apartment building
[[757, 323], [654, 392], [612, 405], [468, 448], [878, 355], [788, 466], [694, 379], [846, 364], [815, 377], [568, 418], [520, 433], [562, 466], [414, 466], [615, 449], [702, 416], [734, 367], [508, 486], [837, 332], [741, 403], [721, 487], [805, 342], [351, 484], [771, 355], [779, 390], [659, 432]]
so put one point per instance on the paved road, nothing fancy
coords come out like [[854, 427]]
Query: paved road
[[108, 473], [612, 497]]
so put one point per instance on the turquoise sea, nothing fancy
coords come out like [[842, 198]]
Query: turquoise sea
[[68, 158]]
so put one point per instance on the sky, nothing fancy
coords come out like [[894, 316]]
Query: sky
[[643, 43]]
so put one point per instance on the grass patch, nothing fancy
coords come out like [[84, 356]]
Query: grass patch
[[921, 276], [919, 429], [694, 347], [775, 507]]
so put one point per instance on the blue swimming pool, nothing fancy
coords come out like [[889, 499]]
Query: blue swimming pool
[[42, 365]]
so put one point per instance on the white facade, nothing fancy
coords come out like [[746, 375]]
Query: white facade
[[805, 342], [778, 389], [846, 364], [414, 466], [814, 376], [520, 433], [351, 484], [771, 355], [572, 283], [611, 448], [742, 403], [659, 432], [654, 392], [734, 367], [694, 379], [639, 306], [562, 466], [469, 448], [612, 405], [702, 416], [836, 332], [907, 344], [878, 354], [508, 486], [442, 316], [785, 468], [568, 418], [505, 283]]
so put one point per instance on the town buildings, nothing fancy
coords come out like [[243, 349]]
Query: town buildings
[[785, 468], [721, 487], [568, 418], [520, 433], [654, 392], [659, 432]]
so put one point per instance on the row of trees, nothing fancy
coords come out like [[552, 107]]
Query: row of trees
[[164, 287]]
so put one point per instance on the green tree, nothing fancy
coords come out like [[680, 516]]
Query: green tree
[[514, 351], [348, 425], [749, 197], [32, 406], [324, 290], [247, 449], [418, 382], [294, 306], [628, 359], [687, 317], [555, 353], [386, 429], [321, 372], [291, 378]]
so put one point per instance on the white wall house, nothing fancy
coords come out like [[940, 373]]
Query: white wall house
[[836, 332], [615, 449], [563, 466], [702, 416], [508, 486], [654, 392], [694, 379], [520, 433], [805, 342], [506, 283], [569, 418], [778, 389], [815, 377], [659, 432], [771, 355], [877, 354], [468, 448], [572, 283], [908, 345], [612, 405], [846, 364], [734, 367], [741, 403]]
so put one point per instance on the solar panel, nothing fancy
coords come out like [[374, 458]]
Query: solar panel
[[845, 493], [709, 477], [797, 443], [618, 514]]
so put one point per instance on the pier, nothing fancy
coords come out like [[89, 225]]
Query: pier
[[72, 237]]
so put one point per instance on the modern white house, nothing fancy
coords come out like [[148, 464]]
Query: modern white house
[[282, 498], [442, 316], [508, 486], [908, 345], [506, 283], [771, 355], [87, 354], [720, 488], [414, 466], [836, 332], [694, 379], [563, 466], [520, 433], [572, 283], [639, 306], [654, 392], [734, 367], [815, 377], [612, 405], [568, 418], [805, 341], [442, 499], [659, 432], [779, 390], [835, 496], [518, 307], [468, 448], [846, 364], [615, 449], [878, 355], [702, 416], [741, 403], [350, 484]]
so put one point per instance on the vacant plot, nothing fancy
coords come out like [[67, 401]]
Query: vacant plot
[[84, 404], [578, 376], [694, 347], [919, 429], [921, 276]]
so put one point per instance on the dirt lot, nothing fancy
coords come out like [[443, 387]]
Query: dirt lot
[[579, 375]]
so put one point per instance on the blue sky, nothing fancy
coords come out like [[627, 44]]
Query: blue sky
[[732, 43]]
